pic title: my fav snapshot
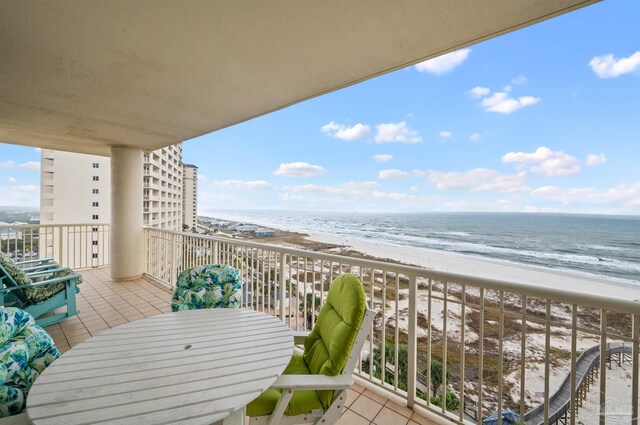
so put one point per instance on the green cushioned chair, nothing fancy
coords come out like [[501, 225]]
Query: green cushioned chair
[[313, 387]]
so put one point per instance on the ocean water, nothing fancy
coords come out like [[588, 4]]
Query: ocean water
[[600, 246]]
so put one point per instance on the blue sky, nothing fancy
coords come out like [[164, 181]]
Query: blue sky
[[543, 119]]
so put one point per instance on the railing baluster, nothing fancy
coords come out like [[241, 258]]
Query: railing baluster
[[574, 343], [603, 366], [429, 352], [635, 351], [547, 352], [412, 342], [396, 336], [443, 395], [463, 317], [480, 356], [383, 329], [500, 351]]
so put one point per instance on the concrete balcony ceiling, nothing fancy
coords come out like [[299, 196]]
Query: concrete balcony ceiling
[[86, 75]]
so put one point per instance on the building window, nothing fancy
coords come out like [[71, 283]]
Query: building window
[[95, 255], [95, 191], [96, 178], [95, 229], [96, 165], [95, 204], [95, 243], [94, 216]]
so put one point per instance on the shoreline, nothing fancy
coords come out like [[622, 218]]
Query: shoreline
[[491, 269], [495, 269]]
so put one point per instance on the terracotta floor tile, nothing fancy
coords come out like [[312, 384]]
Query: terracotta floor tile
[[366, 407], [375, 396], [421, 420], [351, 418], [389, 417], [351, 397], [358, 388], [403, 410]]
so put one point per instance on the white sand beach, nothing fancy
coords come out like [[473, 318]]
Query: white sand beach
[[491, 269]]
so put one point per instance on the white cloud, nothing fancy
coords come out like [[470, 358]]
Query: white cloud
[[445, 134], [474, 137], [298, 169], [507, 89], [608, 66], [20, 195], [392, 174], [478, 91], [203, 178], [398, 174], [444, 63], [381, 157], [29, 165], [594, 159], [11, 180], [520, 79], [414, 188], [342, 132], [501, 102], [544, 161], [396, 133], [365, 192], [622, 194], [478, 180], [244, 185]]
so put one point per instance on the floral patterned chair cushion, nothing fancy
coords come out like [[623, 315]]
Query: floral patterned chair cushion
[[39, 293], [25, 351], [208, 286]]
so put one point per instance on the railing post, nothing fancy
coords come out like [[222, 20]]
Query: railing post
[[412, 343], [173, 260], [282, 259], [60, 248], [146, 250]]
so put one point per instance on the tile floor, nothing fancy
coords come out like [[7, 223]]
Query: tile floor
[[104, 304]]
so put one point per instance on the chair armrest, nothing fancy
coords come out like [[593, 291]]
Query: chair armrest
[[41, 260], [314, 382], [34, 269], [299, 337], [42, 273], [69, 278]]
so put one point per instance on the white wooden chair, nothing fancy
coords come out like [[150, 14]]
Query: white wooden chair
[[289, 384]]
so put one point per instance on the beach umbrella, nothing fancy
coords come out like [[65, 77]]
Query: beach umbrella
[[508, 417]]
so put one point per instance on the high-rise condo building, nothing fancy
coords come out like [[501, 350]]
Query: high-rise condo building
[[75, 188], [190, 196]]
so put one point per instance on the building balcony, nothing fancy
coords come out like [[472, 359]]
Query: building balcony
[[502, 345]]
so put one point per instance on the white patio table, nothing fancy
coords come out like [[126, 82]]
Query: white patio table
[[188, 367]]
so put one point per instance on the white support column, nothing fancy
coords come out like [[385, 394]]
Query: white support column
[[127, 234]]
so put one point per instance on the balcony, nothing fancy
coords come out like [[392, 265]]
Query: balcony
[[104, 304], [484, 335]]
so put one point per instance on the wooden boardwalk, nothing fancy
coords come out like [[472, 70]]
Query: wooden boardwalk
[[587, 368]]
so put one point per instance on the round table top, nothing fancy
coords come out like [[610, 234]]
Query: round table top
[[189, 367]]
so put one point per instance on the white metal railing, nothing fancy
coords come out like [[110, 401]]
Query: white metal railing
[[499, 344], [78, 246]]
